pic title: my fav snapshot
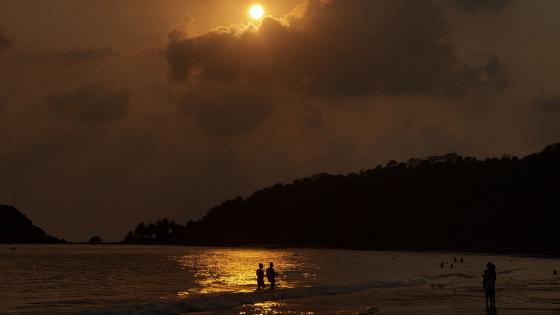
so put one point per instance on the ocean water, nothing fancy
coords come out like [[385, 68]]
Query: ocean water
[[80, 279]]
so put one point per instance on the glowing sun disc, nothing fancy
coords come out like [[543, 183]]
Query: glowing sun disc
[[256, 12]]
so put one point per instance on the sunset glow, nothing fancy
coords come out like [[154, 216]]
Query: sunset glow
[[256, 12], [279, 157]]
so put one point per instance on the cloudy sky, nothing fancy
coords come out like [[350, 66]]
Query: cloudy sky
[[114, 112]]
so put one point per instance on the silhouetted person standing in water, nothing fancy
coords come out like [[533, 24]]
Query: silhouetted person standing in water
[[260, 277], [489, 285], [271, 275]]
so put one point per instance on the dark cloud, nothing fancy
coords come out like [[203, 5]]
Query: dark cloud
[[474, 5], [92, 104], [492, 75], [338, 48], [3, 101], [495, 73], [226, 111], [5, 41], [548, 105], [72, 57]]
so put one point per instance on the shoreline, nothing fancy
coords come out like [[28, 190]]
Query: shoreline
[[264, 247]]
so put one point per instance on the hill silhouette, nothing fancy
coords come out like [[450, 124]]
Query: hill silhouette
[[16, 228], [448, 202]]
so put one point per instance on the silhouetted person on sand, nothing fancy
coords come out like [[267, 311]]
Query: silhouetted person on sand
[[260, 277], [489, 285], [271, 276]]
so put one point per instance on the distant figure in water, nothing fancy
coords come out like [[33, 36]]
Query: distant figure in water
[[462, 261], [260, 277], [271, 276], [555, 272], [489, 285], [441, 265]]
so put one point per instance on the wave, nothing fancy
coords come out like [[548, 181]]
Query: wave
[[454, 275], [507, 271], [467, 275], [230, 300]]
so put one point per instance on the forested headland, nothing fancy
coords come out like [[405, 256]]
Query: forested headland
[[16, 228], [450, 202]]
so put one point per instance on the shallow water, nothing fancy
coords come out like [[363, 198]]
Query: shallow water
[[80, 279]]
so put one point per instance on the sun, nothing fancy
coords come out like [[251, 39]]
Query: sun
[[256, 12]]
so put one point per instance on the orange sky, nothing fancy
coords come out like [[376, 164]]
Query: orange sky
[[107, 120]]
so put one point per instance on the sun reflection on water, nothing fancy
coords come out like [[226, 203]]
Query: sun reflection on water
[[269, 308], [234, 270], [265, 308]]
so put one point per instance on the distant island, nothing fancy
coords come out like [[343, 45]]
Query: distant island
[[16, 228], [449, 202]]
